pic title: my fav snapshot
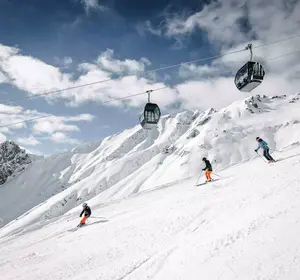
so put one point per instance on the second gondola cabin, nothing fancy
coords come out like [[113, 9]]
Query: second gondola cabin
[[151, 115]]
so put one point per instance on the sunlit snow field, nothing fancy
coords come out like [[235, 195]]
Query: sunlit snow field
[[149, 220]]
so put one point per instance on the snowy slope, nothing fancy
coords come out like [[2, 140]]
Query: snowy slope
[[244, 226], [136, 160]]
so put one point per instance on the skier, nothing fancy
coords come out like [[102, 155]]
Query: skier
[[207, 169], [87, 213], [262, 144]]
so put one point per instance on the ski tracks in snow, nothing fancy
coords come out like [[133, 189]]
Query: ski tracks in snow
[[152, 265], [149, 267]]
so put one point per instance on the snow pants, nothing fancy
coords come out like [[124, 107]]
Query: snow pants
[[83, 220], [207, 174], [267, 154]]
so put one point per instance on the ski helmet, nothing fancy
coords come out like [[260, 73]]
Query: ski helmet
[[257, 138], [204, 158], [84, 204]]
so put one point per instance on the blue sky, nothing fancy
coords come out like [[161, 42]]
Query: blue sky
[[49, 45]]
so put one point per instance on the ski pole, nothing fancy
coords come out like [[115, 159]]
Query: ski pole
[[260, 156], [198, 179]]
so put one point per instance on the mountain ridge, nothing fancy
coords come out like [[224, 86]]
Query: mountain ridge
[[137, 160]]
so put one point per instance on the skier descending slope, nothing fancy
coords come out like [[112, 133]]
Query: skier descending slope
[[207, 169], [87, 213], [262, 144]]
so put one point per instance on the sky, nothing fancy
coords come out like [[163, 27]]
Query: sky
[[50, 45]]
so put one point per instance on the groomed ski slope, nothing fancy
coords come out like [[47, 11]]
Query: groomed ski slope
[[244, 226]]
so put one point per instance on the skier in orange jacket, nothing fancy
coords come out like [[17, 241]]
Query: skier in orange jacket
[[87, 213], [207, 169]]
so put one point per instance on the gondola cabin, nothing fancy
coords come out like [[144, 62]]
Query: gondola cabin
[[249, 76], [150, 116]]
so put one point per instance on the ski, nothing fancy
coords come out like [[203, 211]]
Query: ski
[[201, 184], [73, 229], [77, 227]]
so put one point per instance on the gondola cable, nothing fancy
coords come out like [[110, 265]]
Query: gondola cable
[[149, 71], [122, 98]]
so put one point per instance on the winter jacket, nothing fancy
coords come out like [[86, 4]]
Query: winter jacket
[[87, 211], [262, 144], [208, 166]]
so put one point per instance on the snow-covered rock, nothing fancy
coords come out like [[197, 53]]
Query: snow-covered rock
[[13, 160]]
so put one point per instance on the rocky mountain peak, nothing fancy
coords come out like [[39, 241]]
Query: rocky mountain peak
[[13, 160]]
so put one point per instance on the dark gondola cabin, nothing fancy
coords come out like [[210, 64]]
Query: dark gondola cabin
[[249, 76], [150, 116]]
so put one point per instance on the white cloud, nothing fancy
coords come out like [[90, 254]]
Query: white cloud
[[220, 19], [64, 63], [155, 31], [92, 5], [53, 124], [59, 137], [211, 93], [36, 77], [14, 114], [44, 127], [6, 109], [198, 71], [2, 137], [6, 51], [33, 75], [80, 118], [50, 126], [3, 78], [28, 141], [233, 22], [127, 66], [121, 88], [67, 60]]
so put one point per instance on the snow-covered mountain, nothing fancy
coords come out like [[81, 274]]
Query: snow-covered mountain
[[13, 160], [138, 160], [149, 220]]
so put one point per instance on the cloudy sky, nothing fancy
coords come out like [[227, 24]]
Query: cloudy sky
[[50, 45]]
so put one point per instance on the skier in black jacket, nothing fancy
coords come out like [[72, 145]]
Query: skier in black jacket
[[87, 213], [208, 169]]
